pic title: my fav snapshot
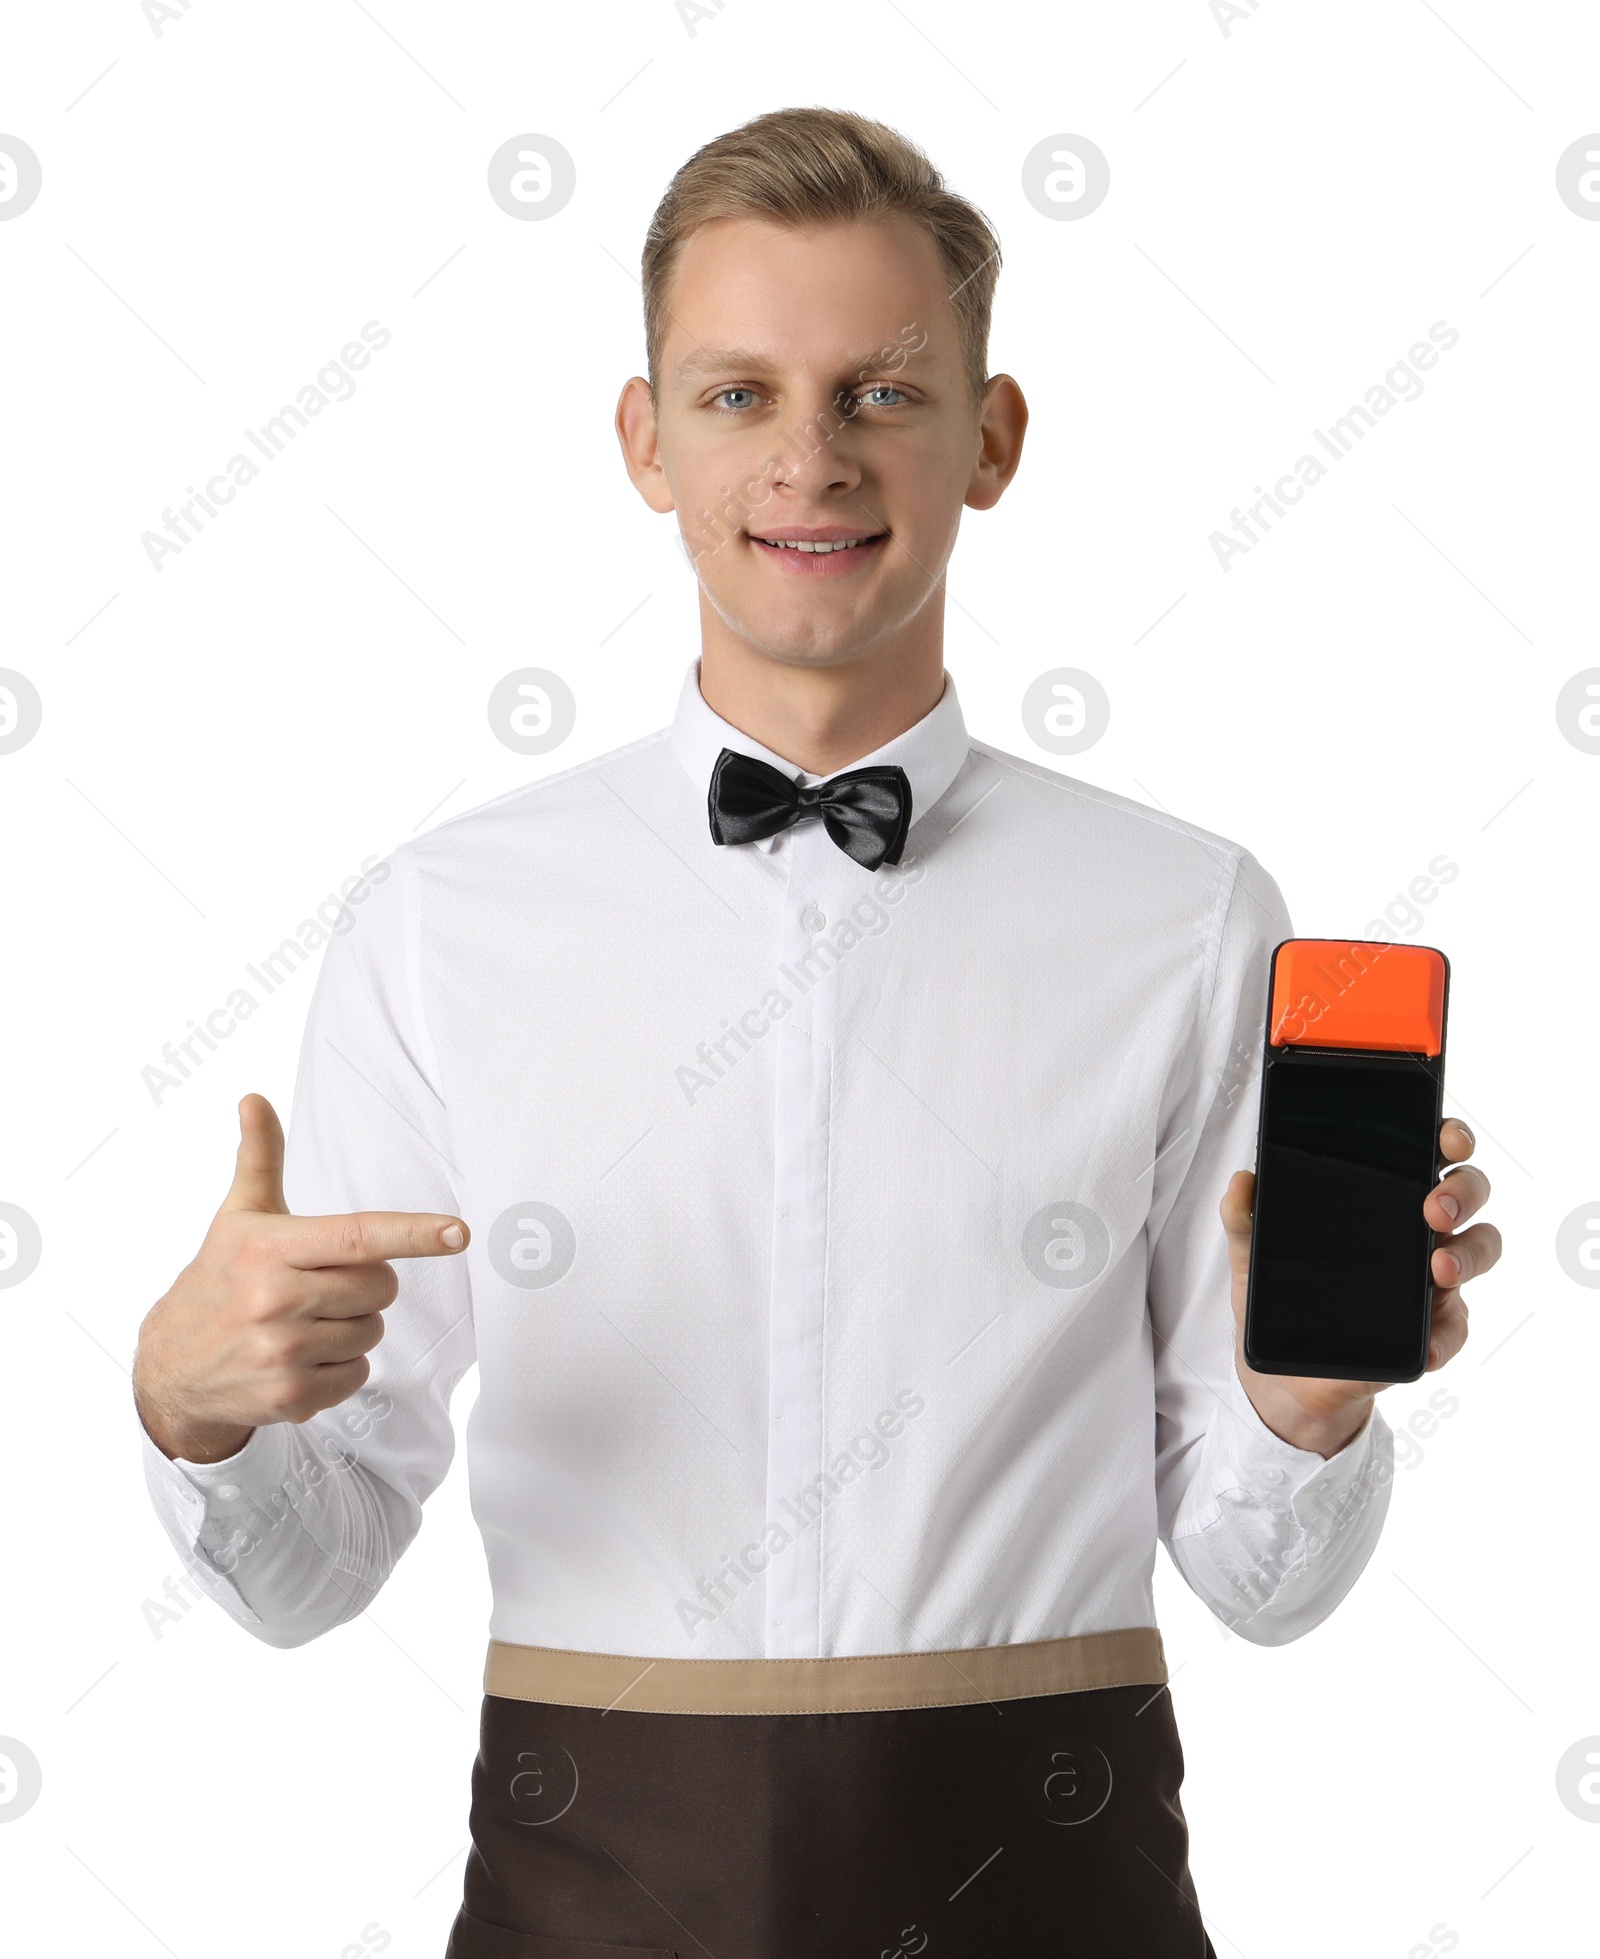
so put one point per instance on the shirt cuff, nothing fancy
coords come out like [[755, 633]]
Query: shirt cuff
[[1309, 1487], [224, 1491], [236, 1483], [207, 1507]]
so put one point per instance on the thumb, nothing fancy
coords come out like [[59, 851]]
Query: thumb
[[1237, 1206], [1236, 1209], [258, 1171]]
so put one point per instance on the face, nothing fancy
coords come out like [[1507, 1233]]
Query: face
[[815, 434]]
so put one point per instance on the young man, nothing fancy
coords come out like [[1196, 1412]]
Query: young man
[[842, 1109]]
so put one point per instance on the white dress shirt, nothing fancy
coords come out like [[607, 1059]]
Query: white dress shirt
[[846, 1274]]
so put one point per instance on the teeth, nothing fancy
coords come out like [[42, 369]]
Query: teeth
[[797, 544]]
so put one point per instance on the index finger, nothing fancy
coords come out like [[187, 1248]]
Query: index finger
[[368, 1237]]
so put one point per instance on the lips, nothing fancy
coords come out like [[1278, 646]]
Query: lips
[[824, 540], [822, 549]]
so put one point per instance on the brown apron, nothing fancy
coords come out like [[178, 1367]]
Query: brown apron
[[1048, 1824]]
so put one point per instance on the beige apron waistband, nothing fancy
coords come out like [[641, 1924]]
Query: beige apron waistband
[[1131, 1657]]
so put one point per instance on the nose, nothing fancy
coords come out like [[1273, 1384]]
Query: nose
[[816, 453]]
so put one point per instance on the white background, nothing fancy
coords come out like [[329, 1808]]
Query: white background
[[1375, 683]]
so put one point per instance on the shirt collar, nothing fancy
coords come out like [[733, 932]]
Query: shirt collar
[[931, 751]]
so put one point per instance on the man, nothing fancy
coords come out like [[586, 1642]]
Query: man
[[842, 1108]]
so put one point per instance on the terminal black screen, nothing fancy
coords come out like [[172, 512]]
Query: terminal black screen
[[1339, 1258]]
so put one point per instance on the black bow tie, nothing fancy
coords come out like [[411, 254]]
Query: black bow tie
[[867, 812]]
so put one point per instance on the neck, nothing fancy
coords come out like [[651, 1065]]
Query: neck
[[821, 718]]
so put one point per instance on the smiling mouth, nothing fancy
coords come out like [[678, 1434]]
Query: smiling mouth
[[801, 544], [839, 552]]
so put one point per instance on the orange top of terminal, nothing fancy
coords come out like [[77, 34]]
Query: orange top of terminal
[[1334, 993]]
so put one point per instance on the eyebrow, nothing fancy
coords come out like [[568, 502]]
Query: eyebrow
[[718, 360]]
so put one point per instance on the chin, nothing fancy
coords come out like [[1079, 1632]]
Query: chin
[[801, 645], [794, 638]]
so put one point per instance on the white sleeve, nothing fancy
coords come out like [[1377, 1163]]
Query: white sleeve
[[297, 1532], [1270, 1536]]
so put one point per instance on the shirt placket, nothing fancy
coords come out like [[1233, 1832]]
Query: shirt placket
[[802, 1116]]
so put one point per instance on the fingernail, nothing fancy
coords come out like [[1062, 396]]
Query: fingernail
[[1450, 1204], [1472, 1141], [1455, 1262], [453, 1236]]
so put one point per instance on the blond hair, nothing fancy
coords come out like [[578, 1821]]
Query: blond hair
[[804, 167]]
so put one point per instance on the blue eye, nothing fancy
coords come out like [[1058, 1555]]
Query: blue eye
[[748, 393], [883, 388]]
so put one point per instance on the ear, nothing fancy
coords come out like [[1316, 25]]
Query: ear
[[641, 447], [1002, 423]]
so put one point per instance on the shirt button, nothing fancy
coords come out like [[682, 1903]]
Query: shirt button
[[1272, 1473], [812, 919], [227, 1491]]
